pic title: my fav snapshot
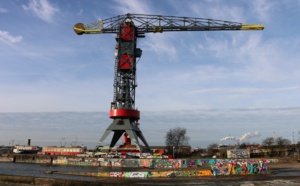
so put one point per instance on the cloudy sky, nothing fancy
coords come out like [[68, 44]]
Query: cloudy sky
[[246, 80]]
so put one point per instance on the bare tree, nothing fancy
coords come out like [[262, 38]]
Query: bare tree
[[212, 146], [268, 142], [243, 145], [281, 142], [177, 138]]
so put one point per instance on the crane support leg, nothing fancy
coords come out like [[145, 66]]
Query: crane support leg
[[121, 125]]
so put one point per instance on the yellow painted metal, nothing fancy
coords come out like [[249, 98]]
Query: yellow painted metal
[[252, 27], [95, 28], [88, 31], [157, 29]]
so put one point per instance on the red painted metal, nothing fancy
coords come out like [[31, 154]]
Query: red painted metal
[[124, 113], [126, 62], [127, 31]]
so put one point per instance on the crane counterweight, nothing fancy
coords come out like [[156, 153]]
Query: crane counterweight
[[79, 28]]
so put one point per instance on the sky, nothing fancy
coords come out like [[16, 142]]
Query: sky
[[218, 85]]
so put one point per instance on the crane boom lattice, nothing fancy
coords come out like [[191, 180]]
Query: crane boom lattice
[[159, 23]]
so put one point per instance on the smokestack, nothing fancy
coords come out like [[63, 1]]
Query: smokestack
[[28, 142]]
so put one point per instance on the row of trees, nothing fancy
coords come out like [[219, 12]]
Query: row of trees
[[177, 142], [177, 138], [271, 141]]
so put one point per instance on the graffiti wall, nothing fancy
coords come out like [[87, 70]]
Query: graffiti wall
[[239, 167], [174, 167], [206, 167], [63, 160], [223, 168], [217, 166]]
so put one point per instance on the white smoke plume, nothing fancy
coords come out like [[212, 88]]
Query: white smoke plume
[[247, 135], [229, 138]]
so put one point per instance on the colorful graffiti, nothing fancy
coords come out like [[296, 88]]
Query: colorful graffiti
[[238, 153], [162, 174], [202, 167], [137, 163], [154, 174], [116, 162], [132, 163], [60, 161], [239, 167], [218, 166], [116, 174], [104, 174], [168, 163], [136, 174], [145, 163], [199, 167]]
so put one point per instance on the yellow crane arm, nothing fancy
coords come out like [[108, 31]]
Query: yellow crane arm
[[252, 27]]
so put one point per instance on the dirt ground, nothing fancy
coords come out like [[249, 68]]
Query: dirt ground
[[285, 172], [285, 163]]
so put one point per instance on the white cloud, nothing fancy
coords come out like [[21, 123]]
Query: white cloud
[[133, 6], [157, 43], [203, 126], [250, 57], [161, 45], [263, 8], [219, 10], [3, 10], [41, 8], [245, 90], [8, 38]]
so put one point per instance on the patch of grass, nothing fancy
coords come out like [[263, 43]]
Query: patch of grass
[[17, 179]]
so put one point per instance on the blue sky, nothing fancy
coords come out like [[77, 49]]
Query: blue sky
[[46, 67]]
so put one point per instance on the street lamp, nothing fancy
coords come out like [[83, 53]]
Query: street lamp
[[173, 152]]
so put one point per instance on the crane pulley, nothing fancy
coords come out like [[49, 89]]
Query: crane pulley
[[128, 28]]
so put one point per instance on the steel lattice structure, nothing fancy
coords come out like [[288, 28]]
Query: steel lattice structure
[[128, 28], [159, 23]]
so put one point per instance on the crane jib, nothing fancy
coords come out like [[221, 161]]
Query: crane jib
[[158, 23]]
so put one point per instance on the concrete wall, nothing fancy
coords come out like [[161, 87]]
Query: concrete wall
[[195, 167], [207, 167]]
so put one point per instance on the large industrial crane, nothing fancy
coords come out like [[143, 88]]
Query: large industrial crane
[[128, 28]]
